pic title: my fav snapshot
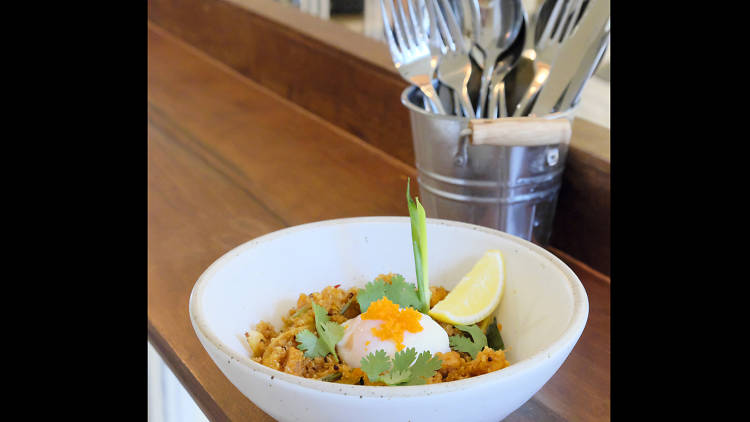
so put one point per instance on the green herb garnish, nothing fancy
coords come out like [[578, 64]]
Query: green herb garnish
[[419, 244], [463, 344], [375, 364], [304, 308], [348, 304], [331, 377], [494, 340], [397, 291], [400, 370], [310, 344], [329, 333]]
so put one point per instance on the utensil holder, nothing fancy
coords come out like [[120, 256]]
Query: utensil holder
[[500, 173]]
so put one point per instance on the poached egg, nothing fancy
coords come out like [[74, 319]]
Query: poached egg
[[386, 327]]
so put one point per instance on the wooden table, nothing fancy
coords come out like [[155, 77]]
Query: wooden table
[[229, 160]]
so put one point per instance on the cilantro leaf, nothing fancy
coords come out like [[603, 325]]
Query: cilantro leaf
[[321, 314], [463, 344], [424, 367], [329, 332], [403, 359], [402, 293], [397, 371], [375, 364], [398, 291], [310, 344], [494, 339], [395, 377], [476, 333], [373, 291]]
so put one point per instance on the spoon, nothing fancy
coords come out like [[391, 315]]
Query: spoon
[[499, 24], [466, 13], [497, 106]]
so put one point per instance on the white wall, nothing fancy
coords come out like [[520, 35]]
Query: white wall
[[167, 399]]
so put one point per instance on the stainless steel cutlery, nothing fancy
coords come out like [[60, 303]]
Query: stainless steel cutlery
[[414, 57], [501, 22], [477, 44], [454, 69], [586, 68], [583, 46], [555, 30]]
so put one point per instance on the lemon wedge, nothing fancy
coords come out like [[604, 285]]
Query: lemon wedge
[[476, 295]]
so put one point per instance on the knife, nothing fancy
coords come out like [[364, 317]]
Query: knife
[[588, 67], [587, 36]]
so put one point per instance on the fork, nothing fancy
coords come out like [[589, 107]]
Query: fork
[[559, 26], [410, 51], [454, 69]]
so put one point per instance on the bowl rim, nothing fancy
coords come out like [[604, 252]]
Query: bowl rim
[[570, 335]]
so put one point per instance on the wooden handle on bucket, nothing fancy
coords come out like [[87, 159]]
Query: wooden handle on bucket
[[520, 131]]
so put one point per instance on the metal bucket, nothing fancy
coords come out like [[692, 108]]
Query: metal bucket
[[510, 183]]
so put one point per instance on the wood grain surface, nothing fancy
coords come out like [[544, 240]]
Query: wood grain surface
[[291, 53], [229, 160], [349, 80]]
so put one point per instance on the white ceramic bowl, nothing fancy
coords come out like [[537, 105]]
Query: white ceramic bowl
[[543, 312]]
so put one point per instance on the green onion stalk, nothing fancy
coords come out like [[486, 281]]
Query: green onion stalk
[[419, 243]]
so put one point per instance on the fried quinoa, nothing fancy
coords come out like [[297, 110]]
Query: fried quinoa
[[278, 349]]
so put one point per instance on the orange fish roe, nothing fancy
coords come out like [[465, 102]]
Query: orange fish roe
[[395, 321], [388, 278]]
